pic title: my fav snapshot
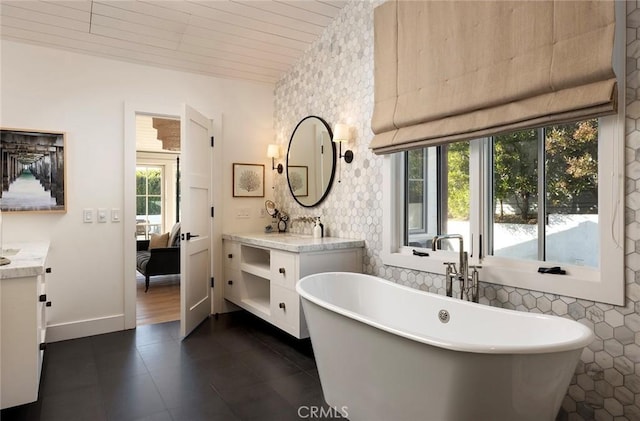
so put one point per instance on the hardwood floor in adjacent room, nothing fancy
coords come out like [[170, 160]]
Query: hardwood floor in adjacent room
[[161, 303]]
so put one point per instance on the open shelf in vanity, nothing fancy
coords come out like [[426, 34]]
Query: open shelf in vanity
[[258, 293], [255, 260], [255, 270], [261, 271]]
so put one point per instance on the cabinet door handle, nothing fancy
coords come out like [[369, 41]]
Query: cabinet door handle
[[42, 298], [282, 306], [43, 346], [281, 270], [48, 304], [230, 282], [48, 270]]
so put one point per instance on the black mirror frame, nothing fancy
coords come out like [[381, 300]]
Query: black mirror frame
[[333, 166]]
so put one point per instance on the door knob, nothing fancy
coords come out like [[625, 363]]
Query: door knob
[[190, 236]]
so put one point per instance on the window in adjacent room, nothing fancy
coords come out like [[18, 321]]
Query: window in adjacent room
[[149, 182]]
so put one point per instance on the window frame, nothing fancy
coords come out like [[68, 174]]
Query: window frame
[[432, 215], [425, 222], [542, 240], [603, 284], [606, 282]]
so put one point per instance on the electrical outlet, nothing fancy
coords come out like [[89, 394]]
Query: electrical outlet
[[242, 213], [102, 215], [87, 215], [262, 212]]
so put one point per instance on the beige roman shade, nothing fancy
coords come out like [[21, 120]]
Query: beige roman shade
[[455, 70]]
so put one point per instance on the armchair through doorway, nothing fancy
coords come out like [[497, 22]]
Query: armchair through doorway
[[160, 255]]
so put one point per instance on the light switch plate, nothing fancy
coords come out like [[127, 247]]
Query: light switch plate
[[242, 213], [87, 215], [102, 215], [115, 215]]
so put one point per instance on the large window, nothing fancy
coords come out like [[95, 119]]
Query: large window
[[536, 198], [521, 201], [149, 182], [542, 200]]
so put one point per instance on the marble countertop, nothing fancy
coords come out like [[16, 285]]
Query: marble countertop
[[27, 259], [296, 243]]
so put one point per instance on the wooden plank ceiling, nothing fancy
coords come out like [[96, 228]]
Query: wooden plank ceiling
[[255, 40]]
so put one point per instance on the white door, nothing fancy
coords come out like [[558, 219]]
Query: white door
[[196, 221]]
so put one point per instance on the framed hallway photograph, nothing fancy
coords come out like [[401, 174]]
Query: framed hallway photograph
[[248, 180], [32, 170], [299, 179]]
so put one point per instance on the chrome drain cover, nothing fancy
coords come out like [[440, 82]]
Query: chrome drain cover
[[443, 315]]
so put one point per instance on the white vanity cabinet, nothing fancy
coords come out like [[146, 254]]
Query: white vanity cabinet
[[261, 272], [23, 301]]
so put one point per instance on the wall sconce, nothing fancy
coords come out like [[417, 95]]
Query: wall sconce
[[342, 134], [273, 152]]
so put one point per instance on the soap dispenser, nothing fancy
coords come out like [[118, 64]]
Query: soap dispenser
[[317, 228]]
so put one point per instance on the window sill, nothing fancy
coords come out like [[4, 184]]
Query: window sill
[[579, 282], [434, 263]]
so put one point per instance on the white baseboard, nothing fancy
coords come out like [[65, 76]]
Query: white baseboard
[[229, 307], [80, 329]]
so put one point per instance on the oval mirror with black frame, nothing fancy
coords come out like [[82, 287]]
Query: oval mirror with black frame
[[311, 161]]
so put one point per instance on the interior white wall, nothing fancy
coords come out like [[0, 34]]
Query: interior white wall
[[84, 96]]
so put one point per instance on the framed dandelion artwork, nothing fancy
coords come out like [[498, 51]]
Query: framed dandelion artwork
[[248, 180]]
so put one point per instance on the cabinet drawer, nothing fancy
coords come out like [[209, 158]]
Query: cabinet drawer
[[234, 287], [231, 254], [284, 269], [285, 309]]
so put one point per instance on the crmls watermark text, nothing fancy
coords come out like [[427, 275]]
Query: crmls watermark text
[[313, 411]]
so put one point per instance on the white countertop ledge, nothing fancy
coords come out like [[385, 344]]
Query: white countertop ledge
[[295, 243], [28, 261]]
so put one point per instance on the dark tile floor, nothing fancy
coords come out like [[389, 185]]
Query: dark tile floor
[[235, 367]]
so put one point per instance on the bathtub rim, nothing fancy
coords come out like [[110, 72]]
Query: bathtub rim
[[584, 335]]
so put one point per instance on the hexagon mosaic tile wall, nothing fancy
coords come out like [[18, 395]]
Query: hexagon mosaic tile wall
[[334, 80]]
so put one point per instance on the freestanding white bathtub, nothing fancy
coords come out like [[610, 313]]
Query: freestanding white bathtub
[[383, 353]]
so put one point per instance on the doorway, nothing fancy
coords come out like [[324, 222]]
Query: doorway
[[197, 288], [157, 190]]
